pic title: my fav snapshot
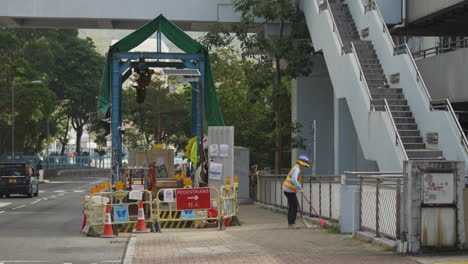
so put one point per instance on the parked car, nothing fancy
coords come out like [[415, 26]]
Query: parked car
[[18, 178]]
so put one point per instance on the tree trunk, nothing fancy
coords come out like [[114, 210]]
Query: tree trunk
[[79, 133], [278, 141], [64, 139]]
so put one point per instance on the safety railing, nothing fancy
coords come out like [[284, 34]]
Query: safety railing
[[68, 162], [229, 201], [324, 5], [322, 191], [84, 172], [380, 205], [374, 6], [447, 106], [362, 76], [121, 209], [442, 48], [404, 49], [398, 140], [215, 213]]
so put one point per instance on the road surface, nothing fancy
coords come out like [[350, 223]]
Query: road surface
[[46, 229]]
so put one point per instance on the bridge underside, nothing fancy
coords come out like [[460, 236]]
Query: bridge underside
[[189, 15]]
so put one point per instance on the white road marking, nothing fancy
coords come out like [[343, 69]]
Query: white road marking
[[52, 197], [1, 212], [4, 204], [78, 191], [45, 199], [36, 201], [21, 206], [60, 191]]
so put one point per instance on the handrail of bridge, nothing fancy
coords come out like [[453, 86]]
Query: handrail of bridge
[[440, 49]]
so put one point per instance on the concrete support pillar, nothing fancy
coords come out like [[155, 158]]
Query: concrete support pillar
[[433, 202]]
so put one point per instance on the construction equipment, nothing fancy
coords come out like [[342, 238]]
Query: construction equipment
[[322, 222]]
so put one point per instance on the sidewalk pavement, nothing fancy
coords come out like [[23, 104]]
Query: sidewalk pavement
[[262, 238]]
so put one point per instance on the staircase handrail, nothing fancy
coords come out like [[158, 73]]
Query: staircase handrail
[[398, 140], [362, 77], [335, 27], [446, 104], [385, 28], [419, 77]]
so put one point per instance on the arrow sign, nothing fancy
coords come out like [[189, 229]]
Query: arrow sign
[[193, 199]]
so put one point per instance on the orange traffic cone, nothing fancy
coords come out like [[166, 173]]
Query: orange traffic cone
[[141, 224], [108, 232]]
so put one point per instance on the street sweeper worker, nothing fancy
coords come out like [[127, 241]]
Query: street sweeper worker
[[293, 185]]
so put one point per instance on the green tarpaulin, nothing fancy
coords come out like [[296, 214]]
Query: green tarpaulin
[[184, 42]]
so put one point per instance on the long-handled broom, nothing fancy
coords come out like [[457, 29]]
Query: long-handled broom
[[322, 222], [302, 219]]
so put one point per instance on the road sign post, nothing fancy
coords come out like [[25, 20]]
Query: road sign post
[[193, 199]]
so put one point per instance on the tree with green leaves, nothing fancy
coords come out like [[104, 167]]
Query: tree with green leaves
[[280, 48], [163, 118]]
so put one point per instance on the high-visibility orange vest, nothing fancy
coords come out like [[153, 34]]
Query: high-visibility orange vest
[[288, 183]]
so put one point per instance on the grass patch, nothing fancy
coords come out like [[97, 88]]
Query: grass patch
[[333, 228]]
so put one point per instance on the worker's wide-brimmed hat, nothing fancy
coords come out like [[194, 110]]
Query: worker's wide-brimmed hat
[[304, 160]]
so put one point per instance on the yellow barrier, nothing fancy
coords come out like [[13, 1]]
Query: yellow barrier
[[229, 201], [96, 204], [167, 211]]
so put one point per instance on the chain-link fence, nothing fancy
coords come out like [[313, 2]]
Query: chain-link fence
[[380, 204]]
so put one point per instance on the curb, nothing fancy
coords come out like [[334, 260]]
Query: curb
[[130, 250], [371, 238], [276, 209]]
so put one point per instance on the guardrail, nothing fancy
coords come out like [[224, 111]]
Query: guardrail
[[398, 140], [324, 5], [446, 105], [322, 191], [84, 172], [362, 76], [448, 47], [404, 49]]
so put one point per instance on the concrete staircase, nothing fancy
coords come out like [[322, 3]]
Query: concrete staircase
[[379, 90]]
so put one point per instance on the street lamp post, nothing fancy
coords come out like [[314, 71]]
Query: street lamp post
[[13, 113], [48, 132]]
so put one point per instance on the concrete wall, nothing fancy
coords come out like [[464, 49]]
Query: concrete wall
[[417, 9], [337, 145], [445, 75], [391, 10], [312, 99], [348, 151]]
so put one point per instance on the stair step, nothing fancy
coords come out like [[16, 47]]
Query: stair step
[[375, 82], [394, 108], [372, 72], [390, 102], [375, 76], [387, 90], [409, 146], [409, 133], [388, 96], [402, 114], [404, 120], [424, 154], [371, 66], [409, 126], [369, 61], [415, 139]]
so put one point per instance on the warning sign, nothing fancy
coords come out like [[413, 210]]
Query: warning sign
[[168, 196], [190, 199], [120, 213]]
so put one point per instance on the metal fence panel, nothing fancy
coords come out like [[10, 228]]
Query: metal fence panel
[[336, 203], [387, 211], [368, 212], [315, 201]]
